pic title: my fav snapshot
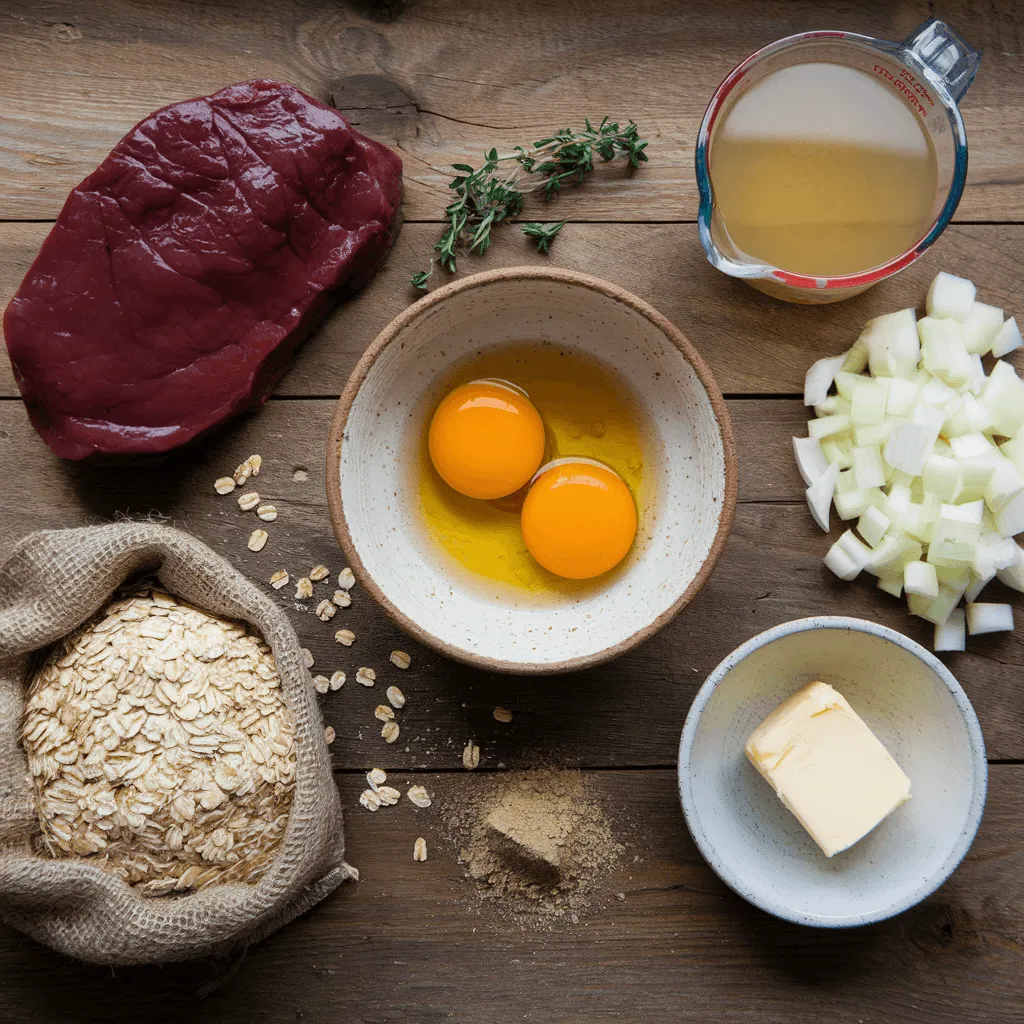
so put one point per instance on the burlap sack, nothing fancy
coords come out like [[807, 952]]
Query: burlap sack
[[49, 585]]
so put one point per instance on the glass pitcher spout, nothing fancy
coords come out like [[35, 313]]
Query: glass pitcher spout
[[930, 71]]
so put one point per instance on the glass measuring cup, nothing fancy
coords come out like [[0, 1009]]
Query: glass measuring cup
[[930, 71]]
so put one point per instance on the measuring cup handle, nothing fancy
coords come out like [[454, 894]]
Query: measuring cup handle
[[945, 53]]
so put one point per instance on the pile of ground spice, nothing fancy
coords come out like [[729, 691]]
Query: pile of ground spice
[[538, 843]]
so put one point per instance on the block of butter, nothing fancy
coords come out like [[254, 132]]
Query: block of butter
[[827, 767]]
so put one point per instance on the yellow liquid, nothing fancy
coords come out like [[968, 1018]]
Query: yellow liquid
[[588, 410], [822, 169]]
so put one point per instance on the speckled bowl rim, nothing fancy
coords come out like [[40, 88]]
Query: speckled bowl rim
[[691, 813], [335, 441]]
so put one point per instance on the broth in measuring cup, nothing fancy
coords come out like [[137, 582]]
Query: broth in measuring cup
[[822, 169]]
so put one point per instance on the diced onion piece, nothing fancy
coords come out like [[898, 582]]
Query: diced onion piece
[[1008, 339], [1013, 575], [848, 556], [942, 477], [868, 470], [919, 578], [1003, 397], [867, 407], [977, 585], [856, 360], [838, 451], [950, 296], [951, 635], [891, 585], [981, 325], [902, 395], [810, 459], [852, 504], [828, 426], [1005, 483], [892, 344], [847, 383], [872, 434], [819, 495], [970, 417], [989, 618], [873, 525], [889, 558], [935, 391], [935, 609], [956, 534], [909, 445], [819, 379], [1010, 518], [943, 351], [1014, 451]]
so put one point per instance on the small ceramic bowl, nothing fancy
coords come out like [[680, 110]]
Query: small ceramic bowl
[[912, 703], [377, 434]]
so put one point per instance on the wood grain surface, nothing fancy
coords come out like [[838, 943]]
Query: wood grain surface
[[440, 80]]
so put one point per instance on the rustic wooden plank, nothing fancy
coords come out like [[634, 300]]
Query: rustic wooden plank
[[413, 942], [444, 80], [626, 713], [752, 343]]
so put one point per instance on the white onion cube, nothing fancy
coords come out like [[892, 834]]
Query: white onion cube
[[1013, 575], [819, 379], [989, 618], [952, 634], [920, 578], [1008, 339], [981, 325], [950, 296], [873, 525], [810, 459], [819, 495], [828, 426], [942, 477]]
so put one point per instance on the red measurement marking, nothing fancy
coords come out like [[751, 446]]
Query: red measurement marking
[[918, 87], [902, 87]]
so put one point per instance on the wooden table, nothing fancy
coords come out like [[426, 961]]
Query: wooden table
[[439, 80]]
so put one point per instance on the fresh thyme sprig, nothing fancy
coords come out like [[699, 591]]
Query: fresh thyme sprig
[[485, 197]]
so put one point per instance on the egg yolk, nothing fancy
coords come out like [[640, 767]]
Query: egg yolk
[[486, 439], [579, 519]]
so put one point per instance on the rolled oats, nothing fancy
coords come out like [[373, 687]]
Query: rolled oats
[[321, 684], [342, 598], [400, 659], [318, 573], [383, 713], [329, 735], [279, 579], [268, 513], [366, 676], [369, 799], [470, 756], [419, 796], [345, 637], [346, 579], [303, 589], [307, 657], [502, 715], [258, 540], [395, 697], [376, 777], [419, 850], [248, 501], [325, 611], [224, 485], [337, 680], [388, 796], [390, 732]]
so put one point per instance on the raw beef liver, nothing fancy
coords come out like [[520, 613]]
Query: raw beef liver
[[182, 273]]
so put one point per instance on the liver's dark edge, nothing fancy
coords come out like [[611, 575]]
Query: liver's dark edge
[[185, 270]]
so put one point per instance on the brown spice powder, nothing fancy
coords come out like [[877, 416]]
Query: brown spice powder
[[537, 843]]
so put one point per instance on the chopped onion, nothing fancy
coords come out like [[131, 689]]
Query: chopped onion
[[819, 379], [868, 470], [867, 406], [952, 634], [1013, 575], [810, 459], [936, 609], [920, 578], [819, 495], [942, 477], [848, 556], [873, 525], [989, 618], [838, 451], [856, 359], [902, 395], [1010, 518], [981, 326], [1008, 339], [828, 426], [1003, 396], [950, 296]]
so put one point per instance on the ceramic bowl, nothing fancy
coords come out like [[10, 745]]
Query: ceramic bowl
[[378, 428], [912, 703]]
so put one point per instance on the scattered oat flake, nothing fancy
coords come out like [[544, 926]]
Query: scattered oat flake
[[390, 732], [329, 735], [346, 637], [279, 579], [258, 540], [224, 485], [318, 573], [470, 756], [419, 796], [325, 611], [248, 500], [400, 659], [255, 464], [388, 796], [303, 589], [342, 598], [251, 467], [321, 683], [307, 657], [419, 850], [300, 475], [337, 680], [366, 676], [383, 713], [268, 513], [346, 579], [502, 715], [395, 697], [369, 799], [376, 777]]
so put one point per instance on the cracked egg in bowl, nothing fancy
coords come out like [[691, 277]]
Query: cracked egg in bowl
[[531, 470]]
